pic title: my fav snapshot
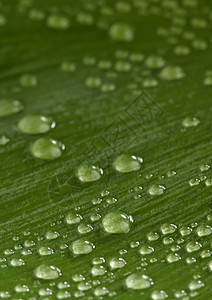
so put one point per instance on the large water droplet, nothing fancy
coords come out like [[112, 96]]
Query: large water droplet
[[47, 272], [138, 281], [81, 246], [35, 124], [127, 163], [46, 148], [116, 222], [10, 107], [88, 173]]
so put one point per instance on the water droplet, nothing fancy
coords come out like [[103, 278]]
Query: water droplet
[[93, 82], [73, 218], [195, 285], [85, 18], [153, 236], [28, 80], [3, 20], [46, 148], [116, 222], [204, 167], [4, 140], [84, 286], [10, 107], [138, 281], [173, 257], [88, 173], [156, 190], [98, 260], [84, 228], [168, 240], [98, 270], [68, 66], [203, 230], [190, 122], [121, 32], [100, 291], [36, 14], [127, 163], [194, 181], [208, 182], [168, 228], [43, 250], [58, 22], [172, 73], [185, 231], [63, 295], [117, 263], [155, 62], [205, 253], [159, 295], [47, 272], [144, 250], [210, 265], [108, 87], [193, 246], [35, 124], [190, 260], [51, 235], [21, 288], [17, 262], [180, 294], [199, 44], [122, 66], [81, 246], [78, 277], [136, 57]]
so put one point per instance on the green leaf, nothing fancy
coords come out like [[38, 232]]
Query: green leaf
[[117, 94]]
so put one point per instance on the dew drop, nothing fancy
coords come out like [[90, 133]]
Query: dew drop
[[144, 250], [100, 291], [93, 82], [155, 62], [43, 251], [84, 228], [47, 272], [127, 163], [172, 73], [138, 281], [73, 218], [168, 228], [190, 122], [159, 295], [195, 285], [17, 262], [193, 246], [173, 257], [81, 246], [117, 263], [98, 270], [87, 173], [28, 80], [35, 124], [121, 32], [10, 107], [153, 236], [156, 190], [203, 230], [47, 149], [58, 22], [4, 140], [116, 222], [68, 66]]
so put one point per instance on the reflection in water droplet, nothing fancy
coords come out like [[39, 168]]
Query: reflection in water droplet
[[47, 272], [121, 32], [81, 246], [10, 107], [138, 281], [87, 173], [127, 163], [46, 148], [35, 124], [116, 222]]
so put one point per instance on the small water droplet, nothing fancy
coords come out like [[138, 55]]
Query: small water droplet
[[190, 122], [73, 218], [193, 246], [28, 80], [58, 22], [4, 140], [172, 73], [117, 263], [144, 250], [168, 228], [121, 32], [195, 285], [155, 62], [43, 250], [156, 190], [100, 291], [35, 124], [159, 295], [173, 257], [203, 230]]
